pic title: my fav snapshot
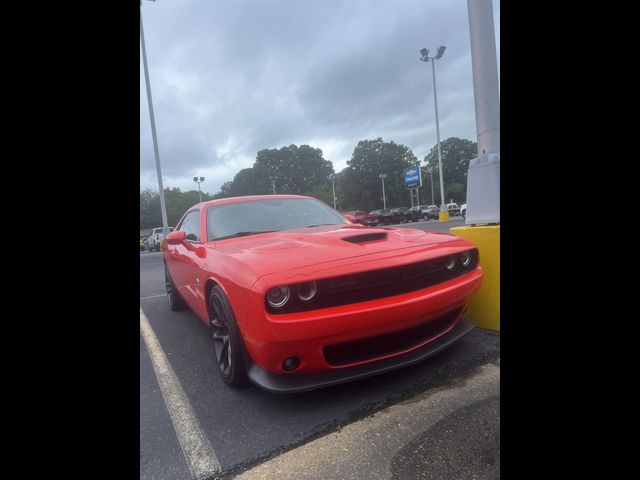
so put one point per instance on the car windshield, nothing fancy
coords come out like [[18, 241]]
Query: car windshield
[[258, 216]]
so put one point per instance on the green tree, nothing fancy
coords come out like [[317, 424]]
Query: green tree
[[150, 215], [176, 204], [225, 188], [371, 158], [295, 170], [456, 154]]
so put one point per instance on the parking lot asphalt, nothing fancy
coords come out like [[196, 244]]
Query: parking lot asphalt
[[449, 432], [250, 430]]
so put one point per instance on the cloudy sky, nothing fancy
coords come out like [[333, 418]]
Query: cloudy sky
[[231, 77]]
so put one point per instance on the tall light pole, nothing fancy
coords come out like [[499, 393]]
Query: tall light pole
[[431, 176], [425, 58], [198, 181], [163, 209], [384, 197], [333, 188]]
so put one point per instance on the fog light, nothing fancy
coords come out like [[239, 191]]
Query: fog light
[[278, 296], [291, 363]]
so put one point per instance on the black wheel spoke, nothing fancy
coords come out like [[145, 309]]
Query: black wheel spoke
[[227, 365], [220, 336], [223, 353], [216, 323]]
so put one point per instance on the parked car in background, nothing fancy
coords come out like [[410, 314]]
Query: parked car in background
[[415, 213], [157, 234], [429, 212], [463, 210], [384, 216], [298, 298], [358, 216], [371, 219], [400, 215], [143, 245]]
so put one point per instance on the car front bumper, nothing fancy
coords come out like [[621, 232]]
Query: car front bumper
[[279, 383]]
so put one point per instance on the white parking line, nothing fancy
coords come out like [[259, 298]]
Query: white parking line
[[197, 450], [153, 296]]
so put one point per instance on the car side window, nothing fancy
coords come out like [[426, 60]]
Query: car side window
[[191, 226]]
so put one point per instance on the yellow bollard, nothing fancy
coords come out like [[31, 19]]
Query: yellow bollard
[[485, 303], [443, 216]]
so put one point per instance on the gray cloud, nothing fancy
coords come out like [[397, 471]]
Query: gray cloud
[[230, 78]]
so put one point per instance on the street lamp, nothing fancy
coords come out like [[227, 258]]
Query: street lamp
[[384, 198], [198, 181], [425, 58], [333, 188]]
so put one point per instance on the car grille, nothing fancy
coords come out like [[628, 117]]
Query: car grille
[[347, 353], [375, 284]]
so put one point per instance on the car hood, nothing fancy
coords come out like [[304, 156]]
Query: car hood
[[290, 249]]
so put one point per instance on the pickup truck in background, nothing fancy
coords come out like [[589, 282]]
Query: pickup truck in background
[[453, 209], [157, 234]]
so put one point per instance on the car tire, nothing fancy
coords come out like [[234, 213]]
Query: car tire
[[228, 346], [176, 302]]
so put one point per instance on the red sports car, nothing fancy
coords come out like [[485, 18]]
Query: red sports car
[[297, 297]]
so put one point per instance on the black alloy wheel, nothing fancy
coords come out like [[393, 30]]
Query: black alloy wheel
[[227, 341]]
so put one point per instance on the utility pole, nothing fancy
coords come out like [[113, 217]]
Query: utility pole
[[384, 198], [153, 124]]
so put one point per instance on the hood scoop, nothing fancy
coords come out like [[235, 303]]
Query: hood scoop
[[366, 237]]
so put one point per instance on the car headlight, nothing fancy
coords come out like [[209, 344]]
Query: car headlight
[[306, 291], [277, 297], [466, 258], [451, 263]]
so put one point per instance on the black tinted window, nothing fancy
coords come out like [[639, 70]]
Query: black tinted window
[[191, 226]]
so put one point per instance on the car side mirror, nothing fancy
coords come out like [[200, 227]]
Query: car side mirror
[[351, 218], [176, 238]]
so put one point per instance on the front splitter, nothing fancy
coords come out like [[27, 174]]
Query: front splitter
[[294, 383]]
